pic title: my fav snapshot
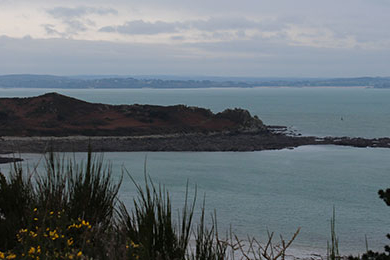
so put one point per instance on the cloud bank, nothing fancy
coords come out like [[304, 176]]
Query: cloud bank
[[252, 38]]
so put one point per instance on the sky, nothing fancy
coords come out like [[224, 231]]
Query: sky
[[254, 38]]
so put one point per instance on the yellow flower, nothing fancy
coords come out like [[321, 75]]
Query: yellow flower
[[51, 212], [33, 234], [38, 249], [79, 253], [35, 209], [53, 234], [2, 255], [70, 241], [11, 256], [133, 244], [31, 251]]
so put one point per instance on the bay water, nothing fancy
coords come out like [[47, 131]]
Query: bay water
[[281, 190]]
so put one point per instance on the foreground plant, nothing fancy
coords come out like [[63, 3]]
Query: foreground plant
[[72, 211], [48, 211], [371, 255], [54, 236], [150, 228]]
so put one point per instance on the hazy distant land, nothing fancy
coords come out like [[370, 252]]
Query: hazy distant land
[[162, 82]]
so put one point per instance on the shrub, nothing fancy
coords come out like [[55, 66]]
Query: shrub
[[149, 229], [16, 202], [72, 211]]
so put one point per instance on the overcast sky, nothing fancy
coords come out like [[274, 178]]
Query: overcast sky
[[259, 38]]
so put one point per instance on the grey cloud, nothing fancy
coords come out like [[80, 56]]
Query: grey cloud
[[142, 27], [74, 19], [109, 29], [66, 12], [223, 23], [75, 26], [238, 23], [178, 38], [209, 25], [50, 29], [236, 58]]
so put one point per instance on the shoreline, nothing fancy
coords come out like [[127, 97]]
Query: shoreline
[[193, 142]]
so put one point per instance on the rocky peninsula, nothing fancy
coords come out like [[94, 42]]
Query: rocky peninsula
[[60, 123]]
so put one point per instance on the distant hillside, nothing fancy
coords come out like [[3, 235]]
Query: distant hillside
[[57, 115], [98, 82]]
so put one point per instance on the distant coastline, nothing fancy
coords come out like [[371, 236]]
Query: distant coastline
[[123, 82]]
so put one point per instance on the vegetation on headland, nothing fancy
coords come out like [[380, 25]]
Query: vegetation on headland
[[53, 114], [72, 211]]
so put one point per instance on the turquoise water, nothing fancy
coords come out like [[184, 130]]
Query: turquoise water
[[274, 190]]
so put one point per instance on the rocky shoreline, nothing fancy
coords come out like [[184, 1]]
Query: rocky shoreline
[[176, 142]]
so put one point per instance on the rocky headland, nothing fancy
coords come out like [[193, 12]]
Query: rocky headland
[[60, 123]]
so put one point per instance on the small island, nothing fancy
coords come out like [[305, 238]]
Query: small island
[[59, 123]]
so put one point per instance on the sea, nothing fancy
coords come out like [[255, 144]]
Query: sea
[[256, 193]]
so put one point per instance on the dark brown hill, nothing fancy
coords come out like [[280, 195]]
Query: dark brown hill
[[53, 114]]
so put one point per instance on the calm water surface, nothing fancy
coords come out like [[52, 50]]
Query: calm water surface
[[273, 190]]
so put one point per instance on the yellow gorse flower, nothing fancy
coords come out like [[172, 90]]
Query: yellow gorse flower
[[33, 234], [31, 251], [134, 245], [11, 256]]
